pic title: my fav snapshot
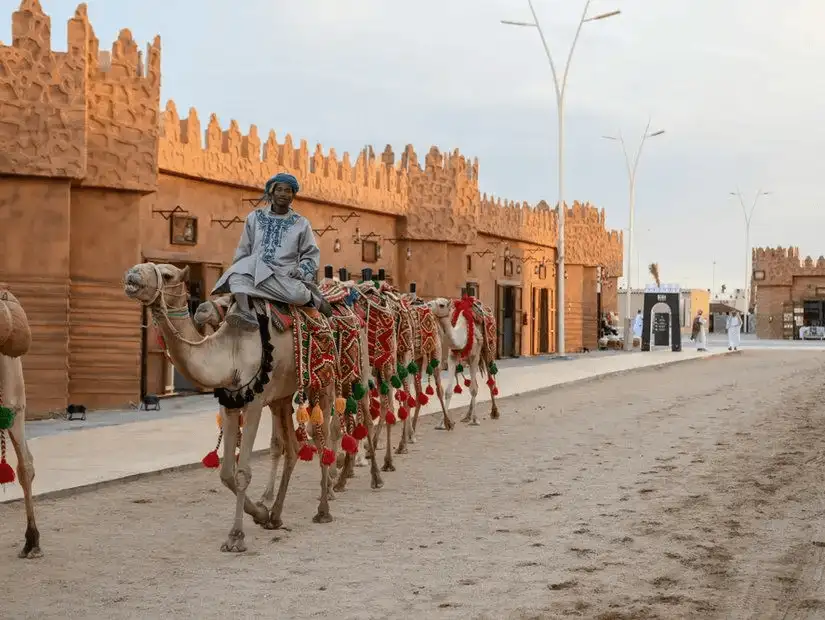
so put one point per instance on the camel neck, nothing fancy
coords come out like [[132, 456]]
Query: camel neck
[[456, 334]]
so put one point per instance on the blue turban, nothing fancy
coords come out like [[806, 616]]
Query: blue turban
[[285, 178]]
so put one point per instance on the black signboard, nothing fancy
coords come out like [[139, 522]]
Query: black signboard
[[661, 329]]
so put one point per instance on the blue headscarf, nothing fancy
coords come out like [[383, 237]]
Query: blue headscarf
[[285, 178]]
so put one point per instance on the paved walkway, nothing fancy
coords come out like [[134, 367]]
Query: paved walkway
[[109, 446]]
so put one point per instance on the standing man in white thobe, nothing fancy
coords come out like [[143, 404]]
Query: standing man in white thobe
[[734, 331], [699, 333], [638, 322]]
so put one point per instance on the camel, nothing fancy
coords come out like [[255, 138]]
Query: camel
[[248, 370], [427, 352], [15, 340], [210, 314], [468, 328]]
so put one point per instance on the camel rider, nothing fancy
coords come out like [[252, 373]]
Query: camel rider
[[276, 259]]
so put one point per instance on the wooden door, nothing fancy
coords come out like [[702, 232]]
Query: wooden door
[[544, 321], [499, 310], [534, 318], [518, 317]]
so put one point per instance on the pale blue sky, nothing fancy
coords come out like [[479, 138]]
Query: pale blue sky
[[737, 84]]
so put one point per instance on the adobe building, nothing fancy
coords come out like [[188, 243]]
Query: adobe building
[[789, 292], [95, 177]]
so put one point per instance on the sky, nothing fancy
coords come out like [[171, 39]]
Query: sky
[[737, 85]]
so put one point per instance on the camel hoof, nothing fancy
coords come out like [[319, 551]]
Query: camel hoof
[[273, 524], [31, 554], [322, 517], [234, 544], [402, 450], [465, 419], [475, 423], [341, 486], [412, 439], [377, 483], [441, 427], [388, 467]]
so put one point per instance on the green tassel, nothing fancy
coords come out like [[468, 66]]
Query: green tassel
[[297, 398], [412, 368], [430, 370], [6, 418], [371, 383], [401, 372], [352, 406], [493, 368], [459, 368], [384, 389], [434, 363], [396, 382], [358, 391]]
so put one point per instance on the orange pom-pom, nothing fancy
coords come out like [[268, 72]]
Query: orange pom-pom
[[317, 417], [340, 405]]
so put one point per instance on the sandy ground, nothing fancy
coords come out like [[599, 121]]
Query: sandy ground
[[693, 491]]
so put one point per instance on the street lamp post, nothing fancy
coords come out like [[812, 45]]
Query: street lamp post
[[561, 88], [631, 175], [748, 218]]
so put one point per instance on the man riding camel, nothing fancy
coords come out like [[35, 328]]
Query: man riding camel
[[276, 259]]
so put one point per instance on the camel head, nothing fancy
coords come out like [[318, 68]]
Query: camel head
[[440, 307], [211, 313], [149, 283]]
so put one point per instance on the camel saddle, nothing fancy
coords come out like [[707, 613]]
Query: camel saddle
[[15, 333]]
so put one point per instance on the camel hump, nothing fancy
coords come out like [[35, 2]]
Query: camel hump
[[15, 333]]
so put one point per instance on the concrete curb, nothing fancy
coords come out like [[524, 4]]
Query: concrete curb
[[94, 486]]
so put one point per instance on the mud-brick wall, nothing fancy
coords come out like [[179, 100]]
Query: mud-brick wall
[[34, 264], [104, 325]]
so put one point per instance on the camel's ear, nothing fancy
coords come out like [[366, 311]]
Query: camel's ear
[[184, 274]]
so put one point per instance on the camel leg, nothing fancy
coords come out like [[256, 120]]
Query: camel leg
[[439, 391], [323, 515], [405, 424], [230, 441], [387, 406], [414, 424], [276, 450], [447, 423], [243, 473], [494, 415], [25, 475], [334, 444], [284, 421], [363, 414], [473, 391], [377, 482]]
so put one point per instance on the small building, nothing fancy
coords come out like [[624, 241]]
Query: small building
[[788, 292]]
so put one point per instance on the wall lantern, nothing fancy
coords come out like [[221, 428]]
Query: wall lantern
[[336, 247], [493, 265], [518, 269], [409, 254], [378, 251]]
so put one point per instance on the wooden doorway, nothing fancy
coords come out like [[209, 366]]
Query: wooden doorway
[[509, 316], [540, 336]]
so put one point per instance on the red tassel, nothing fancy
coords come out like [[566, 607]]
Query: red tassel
[[374, 392], [411, 401], [390, 418], [375, 410], [211, 460], [6, 473], [467, 383], [400, 395], [423, 399], [403, 414], [349, 444], [457, 389], [490, 381], [429, 391], [306, 452], [301, 434], [328, 457], [495, 391], [360, 432]]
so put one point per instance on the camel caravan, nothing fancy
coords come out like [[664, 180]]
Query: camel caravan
[[335, 385]]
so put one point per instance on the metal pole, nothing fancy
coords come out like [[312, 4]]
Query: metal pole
[[713, 282], [748, 219]]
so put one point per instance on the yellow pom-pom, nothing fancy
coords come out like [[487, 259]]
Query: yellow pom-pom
[[340, 405], [219, 420], [317, 418], [303, 414]]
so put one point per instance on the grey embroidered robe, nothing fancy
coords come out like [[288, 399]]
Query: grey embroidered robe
[[273, 250]]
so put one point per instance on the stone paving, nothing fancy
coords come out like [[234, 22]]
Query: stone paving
[[122, 445]]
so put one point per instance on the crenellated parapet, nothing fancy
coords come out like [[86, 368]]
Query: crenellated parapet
[[443, 197], [81, 114], [229, 156], [781, 265]]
